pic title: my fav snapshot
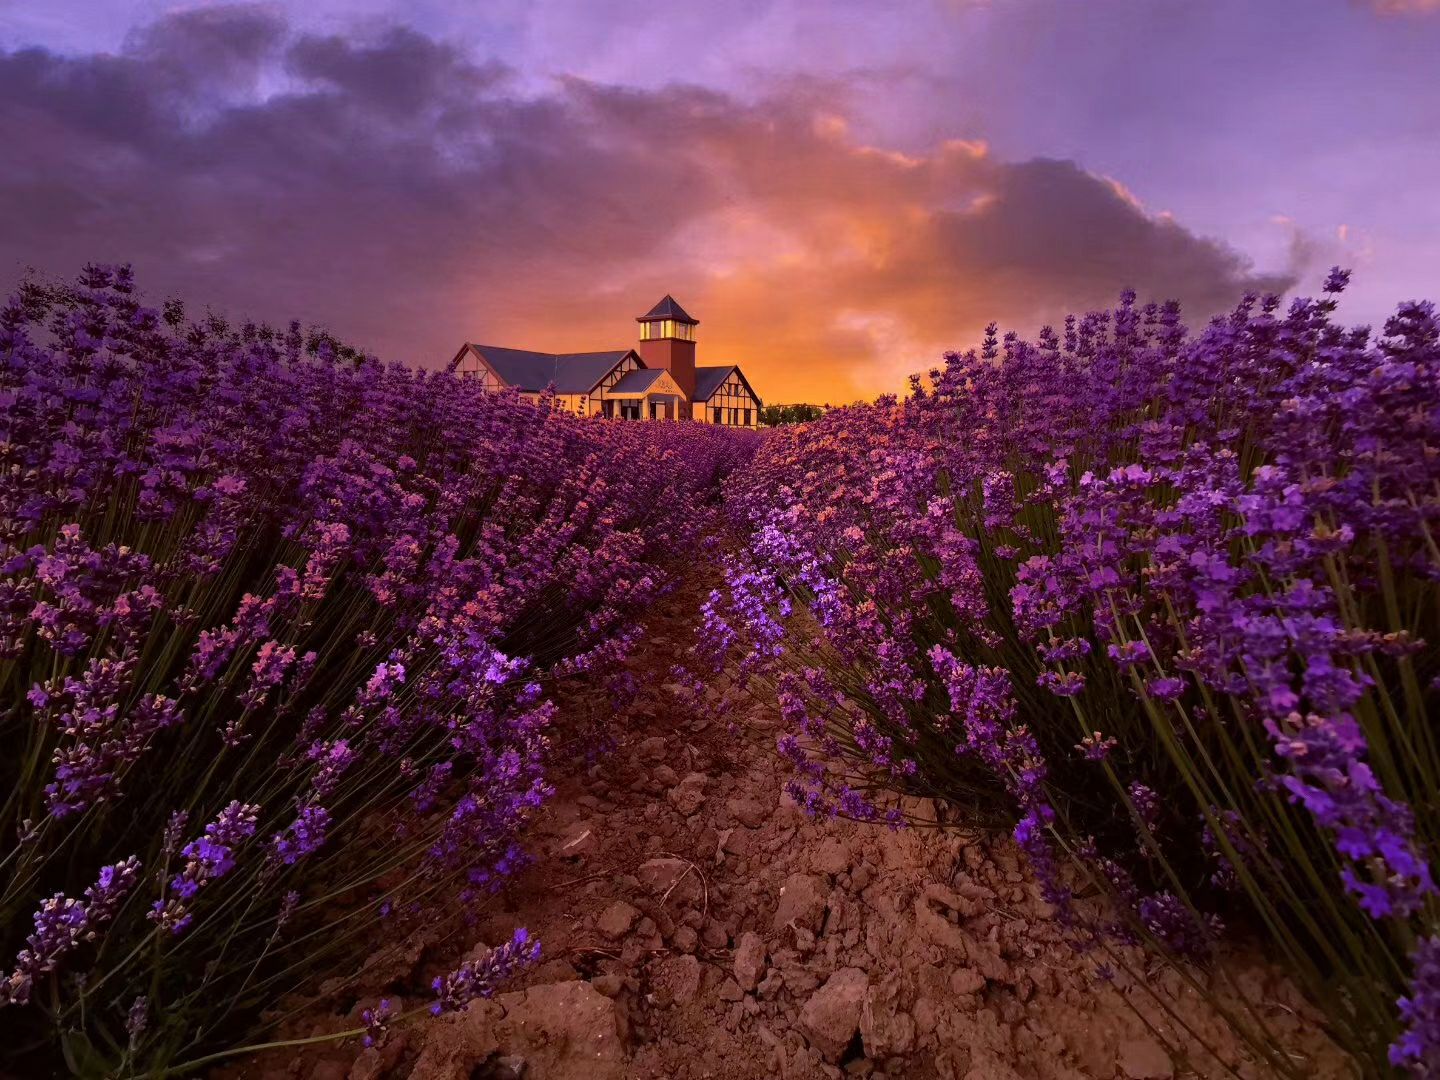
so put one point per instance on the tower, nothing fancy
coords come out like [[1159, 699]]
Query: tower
[[667, 340]]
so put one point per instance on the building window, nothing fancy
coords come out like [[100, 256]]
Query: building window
[[715, 415], [630, 410], [666, 328], [747, 417]]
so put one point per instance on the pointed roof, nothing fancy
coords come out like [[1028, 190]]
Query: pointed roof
[[710, 379], [637, 381], [667, 308], [532, 372]]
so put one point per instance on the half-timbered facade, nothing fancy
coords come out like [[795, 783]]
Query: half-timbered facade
[[657, 380], [723, 396]]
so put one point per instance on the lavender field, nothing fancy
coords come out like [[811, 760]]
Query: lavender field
[[293, 644]]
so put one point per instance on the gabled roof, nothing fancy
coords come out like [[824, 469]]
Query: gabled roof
[[667, 308], [637, 381], [571, 373], [710, 379]]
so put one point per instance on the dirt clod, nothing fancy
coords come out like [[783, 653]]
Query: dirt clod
[[749, 960], [832, 1015], [704, 929], [1144, 1059], [617, 919]]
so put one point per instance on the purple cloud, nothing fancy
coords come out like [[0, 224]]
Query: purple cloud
[[410, 197]]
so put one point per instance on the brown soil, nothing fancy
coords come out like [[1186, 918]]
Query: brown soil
[[696, 924]]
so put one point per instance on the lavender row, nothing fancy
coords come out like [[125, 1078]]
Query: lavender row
[[279, 629], [1165, 601]]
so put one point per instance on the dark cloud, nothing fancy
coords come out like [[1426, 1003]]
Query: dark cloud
[[411, 197]]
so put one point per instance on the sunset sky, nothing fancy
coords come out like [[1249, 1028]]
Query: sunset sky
[[838, 190]]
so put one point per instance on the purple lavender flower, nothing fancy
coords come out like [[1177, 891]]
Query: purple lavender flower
[[137, 1019], [1146, 803], [1177, 926], [333, 759], [1250, 496], [377, 1022], [1165, 688], [1096, 747], [1062, 683], [1129, 653], [305, 835], [480, 978], [288, 903], [1336, 280], [207, 859], [62, 924], [1417, 1049]]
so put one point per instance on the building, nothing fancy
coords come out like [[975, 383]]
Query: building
[[656, 380]]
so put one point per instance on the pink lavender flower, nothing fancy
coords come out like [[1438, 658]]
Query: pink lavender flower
[[271, 663], [1096, 747]]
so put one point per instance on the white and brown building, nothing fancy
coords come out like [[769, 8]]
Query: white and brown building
[[656, 380]]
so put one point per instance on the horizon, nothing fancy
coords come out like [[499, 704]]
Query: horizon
[[840, 195]]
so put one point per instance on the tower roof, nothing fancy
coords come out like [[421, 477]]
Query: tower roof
[[667, 308]]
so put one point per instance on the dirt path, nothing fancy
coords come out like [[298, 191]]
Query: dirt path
[[696, 924]]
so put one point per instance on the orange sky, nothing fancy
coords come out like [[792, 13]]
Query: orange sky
[[829, 269], [838, 192]]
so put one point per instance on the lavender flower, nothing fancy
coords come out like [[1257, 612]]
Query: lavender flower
[[305, 835], [1336, 280], [1418, 1047], [377, 1022], [480, 978], [62, 924], [137, 1019], [194, 541], [207, 859], [1246, 541], [1096, 747], [1146, 803]]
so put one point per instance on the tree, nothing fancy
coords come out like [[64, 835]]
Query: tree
[[775, 415]]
